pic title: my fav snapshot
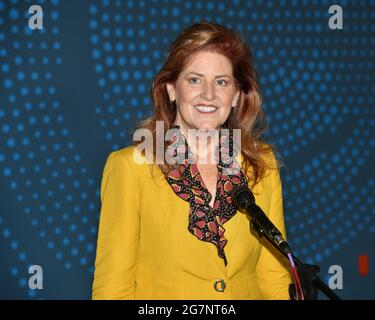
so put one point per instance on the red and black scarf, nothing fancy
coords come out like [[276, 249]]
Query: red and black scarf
[[206, 222]]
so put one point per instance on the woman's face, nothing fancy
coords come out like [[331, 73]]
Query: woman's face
[[205, 92]]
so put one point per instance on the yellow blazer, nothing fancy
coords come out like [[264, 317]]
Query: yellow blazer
[[145, 251]]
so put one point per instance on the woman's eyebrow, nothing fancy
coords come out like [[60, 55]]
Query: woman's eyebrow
[[201, 75]]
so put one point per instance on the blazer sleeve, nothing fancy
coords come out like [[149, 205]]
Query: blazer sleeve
[[272, 267], [118, 234]]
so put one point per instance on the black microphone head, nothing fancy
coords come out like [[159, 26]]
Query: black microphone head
[[242, 197]]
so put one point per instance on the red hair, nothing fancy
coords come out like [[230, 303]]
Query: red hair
[[247, 116]]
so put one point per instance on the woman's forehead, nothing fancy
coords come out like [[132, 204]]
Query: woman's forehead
[[204, 62]]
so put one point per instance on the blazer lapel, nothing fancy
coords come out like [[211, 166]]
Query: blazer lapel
[[231, 228]]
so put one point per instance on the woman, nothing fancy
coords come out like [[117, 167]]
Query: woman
[[169, 230]]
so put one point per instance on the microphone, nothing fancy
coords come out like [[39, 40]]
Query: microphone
[[244, 199]]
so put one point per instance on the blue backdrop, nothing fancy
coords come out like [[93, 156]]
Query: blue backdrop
[[73, 91]]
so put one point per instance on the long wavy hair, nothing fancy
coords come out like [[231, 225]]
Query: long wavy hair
[[247, 116]]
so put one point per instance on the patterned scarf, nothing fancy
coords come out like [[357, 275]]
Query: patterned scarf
[[206, 222]]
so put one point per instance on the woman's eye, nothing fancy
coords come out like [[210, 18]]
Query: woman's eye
[[194, 80], [222, 82]]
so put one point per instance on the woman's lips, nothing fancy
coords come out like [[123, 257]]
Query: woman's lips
[[205, 108]]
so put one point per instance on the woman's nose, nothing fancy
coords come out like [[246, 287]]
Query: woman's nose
[[208, 91]]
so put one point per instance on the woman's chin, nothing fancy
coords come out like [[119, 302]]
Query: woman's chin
[[207, 126]]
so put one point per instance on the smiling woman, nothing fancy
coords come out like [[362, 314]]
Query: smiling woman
[[171, 230], [204, 100]]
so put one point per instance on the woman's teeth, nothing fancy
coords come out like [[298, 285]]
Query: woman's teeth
[[205, 109]]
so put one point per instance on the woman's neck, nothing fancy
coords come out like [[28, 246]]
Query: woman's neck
[[202, 143]]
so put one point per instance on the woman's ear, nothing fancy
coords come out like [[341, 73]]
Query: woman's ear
[[235, 98], [171, 92]]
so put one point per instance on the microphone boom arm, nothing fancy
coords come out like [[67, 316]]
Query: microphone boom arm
[[259, 222]]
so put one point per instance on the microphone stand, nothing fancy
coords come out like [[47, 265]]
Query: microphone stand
[[307, 272]]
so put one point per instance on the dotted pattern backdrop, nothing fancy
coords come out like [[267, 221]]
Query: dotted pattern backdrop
[[73, 92]]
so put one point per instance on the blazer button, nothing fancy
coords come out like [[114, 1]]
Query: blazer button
[[219, 285]]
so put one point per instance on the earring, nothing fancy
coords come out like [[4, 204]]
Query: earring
[[171, 103]]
